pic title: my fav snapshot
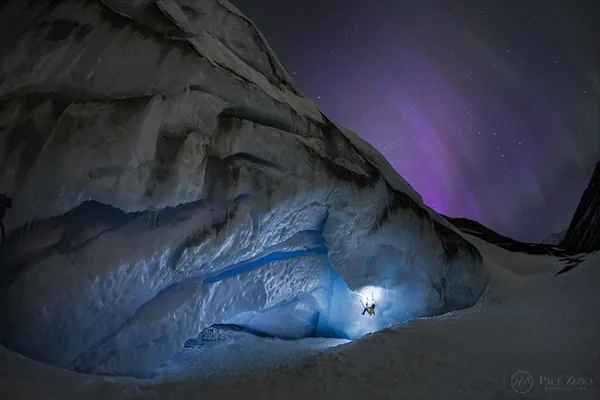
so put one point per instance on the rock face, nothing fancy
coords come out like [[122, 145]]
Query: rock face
[[167, 175], [583, 234], [476, 229]]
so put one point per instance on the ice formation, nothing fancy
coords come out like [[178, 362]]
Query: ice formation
[[167, 175]]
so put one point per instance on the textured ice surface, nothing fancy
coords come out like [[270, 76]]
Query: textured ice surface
[[167, 175], [542, 323]]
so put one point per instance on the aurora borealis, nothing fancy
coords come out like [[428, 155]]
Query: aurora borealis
[[488, 108]]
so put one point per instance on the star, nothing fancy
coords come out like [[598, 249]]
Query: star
[[416, 79]]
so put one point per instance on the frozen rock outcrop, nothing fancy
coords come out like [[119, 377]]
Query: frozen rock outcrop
[[583, 234], [167, 175]]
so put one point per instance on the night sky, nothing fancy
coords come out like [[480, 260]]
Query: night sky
[[488, 108]]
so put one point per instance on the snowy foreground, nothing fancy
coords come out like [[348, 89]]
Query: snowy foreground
[[529, 320]]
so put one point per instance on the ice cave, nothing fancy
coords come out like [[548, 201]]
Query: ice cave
[[168, 177]]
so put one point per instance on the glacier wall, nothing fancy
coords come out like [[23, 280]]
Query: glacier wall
[[167, 175]]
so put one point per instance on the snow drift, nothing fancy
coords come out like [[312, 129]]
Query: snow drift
[[167, 175]]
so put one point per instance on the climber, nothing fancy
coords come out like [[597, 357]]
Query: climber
[[369, 309], [5, 203]]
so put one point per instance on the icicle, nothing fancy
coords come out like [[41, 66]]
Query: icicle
[[226, 225], [151, 217], [385, 195], [358, 221], [259, 221]]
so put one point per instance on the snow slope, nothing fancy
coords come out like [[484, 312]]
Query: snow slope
[[545, 325]]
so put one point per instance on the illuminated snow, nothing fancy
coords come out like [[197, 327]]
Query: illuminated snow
[[170, 176]]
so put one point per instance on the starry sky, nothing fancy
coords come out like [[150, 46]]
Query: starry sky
[[489, 108]]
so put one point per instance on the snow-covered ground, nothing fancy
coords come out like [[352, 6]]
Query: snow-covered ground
[[204, 357], [531, 332]]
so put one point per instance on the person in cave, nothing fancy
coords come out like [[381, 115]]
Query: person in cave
[[5, 203], [369, 309]]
